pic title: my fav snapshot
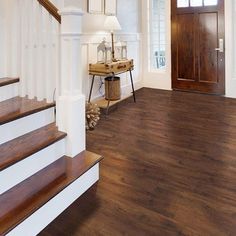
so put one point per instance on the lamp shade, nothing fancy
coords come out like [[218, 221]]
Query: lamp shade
[[111, 23]]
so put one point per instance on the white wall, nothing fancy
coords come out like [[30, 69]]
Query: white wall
[[129, 16], [230, 37], [162, 79], [128, 13], [91, 23]]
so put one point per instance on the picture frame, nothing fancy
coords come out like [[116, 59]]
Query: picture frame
[[110, 7], [95, 6]]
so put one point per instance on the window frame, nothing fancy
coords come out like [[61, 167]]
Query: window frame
[[151, 68], [202, 5]]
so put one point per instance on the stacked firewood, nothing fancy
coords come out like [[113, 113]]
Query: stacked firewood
[[92, 115]]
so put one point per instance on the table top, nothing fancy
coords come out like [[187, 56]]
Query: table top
[[112, 68]]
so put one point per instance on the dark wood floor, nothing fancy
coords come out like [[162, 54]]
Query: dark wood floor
[[169, 169]]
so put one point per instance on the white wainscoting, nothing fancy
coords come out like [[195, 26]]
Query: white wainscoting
[[89, 55]]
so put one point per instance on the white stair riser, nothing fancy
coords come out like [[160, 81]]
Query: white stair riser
[[25, 125], [22, 170], [46, 214], [9, 91]]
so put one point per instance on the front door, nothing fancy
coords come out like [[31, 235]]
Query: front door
[[198, 58]]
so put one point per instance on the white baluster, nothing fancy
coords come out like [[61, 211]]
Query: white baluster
[[2, 38], [39, 66], [8, 38], [33, 45], [30, 51], [43, 52], [56, 59], [18, 42], [13, 39], [49, 66], [23, 76]]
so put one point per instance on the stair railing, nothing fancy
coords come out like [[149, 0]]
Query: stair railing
[[51, 8]]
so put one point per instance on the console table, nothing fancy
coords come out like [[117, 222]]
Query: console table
[[112, 69]]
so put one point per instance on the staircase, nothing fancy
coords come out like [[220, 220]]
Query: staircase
[[35, 175], [44, 166]]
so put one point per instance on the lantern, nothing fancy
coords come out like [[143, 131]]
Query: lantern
[[104, 53], [118, 48], [121, 51]]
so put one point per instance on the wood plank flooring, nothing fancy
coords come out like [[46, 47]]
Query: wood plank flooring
[[169, 168]]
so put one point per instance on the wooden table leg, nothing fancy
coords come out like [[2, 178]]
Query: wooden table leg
[[91, 88], [132, 83]]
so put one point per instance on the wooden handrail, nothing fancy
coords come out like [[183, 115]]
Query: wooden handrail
[[51, 8]]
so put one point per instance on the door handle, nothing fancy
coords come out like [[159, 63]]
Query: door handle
[[221, 46]]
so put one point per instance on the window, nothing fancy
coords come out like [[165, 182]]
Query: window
[[210, 2], [196, 3], [183, 3], [157, 34], [234, 38]]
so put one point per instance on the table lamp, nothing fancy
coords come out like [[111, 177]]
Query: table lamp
[[112, 24]]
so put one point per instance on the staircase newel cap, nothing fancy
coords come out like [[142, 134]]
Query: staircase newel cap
[[70, 10], [71, 24]]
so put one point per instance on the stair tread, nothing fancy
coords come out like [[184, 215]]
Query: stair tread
[[20, 148], [27, 197], [18, 107], [6, 81]]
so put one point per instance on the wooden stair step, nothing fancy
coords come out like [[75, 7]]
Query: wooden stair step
[[27, 197], [8, 81], [28, 144], [18, 107]]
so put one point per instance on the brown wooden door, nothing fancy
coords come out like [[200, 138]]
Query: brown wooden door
[[197, 34]]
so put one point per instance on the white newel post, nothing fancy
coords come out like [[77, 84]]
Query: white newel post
[[71, 101]]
